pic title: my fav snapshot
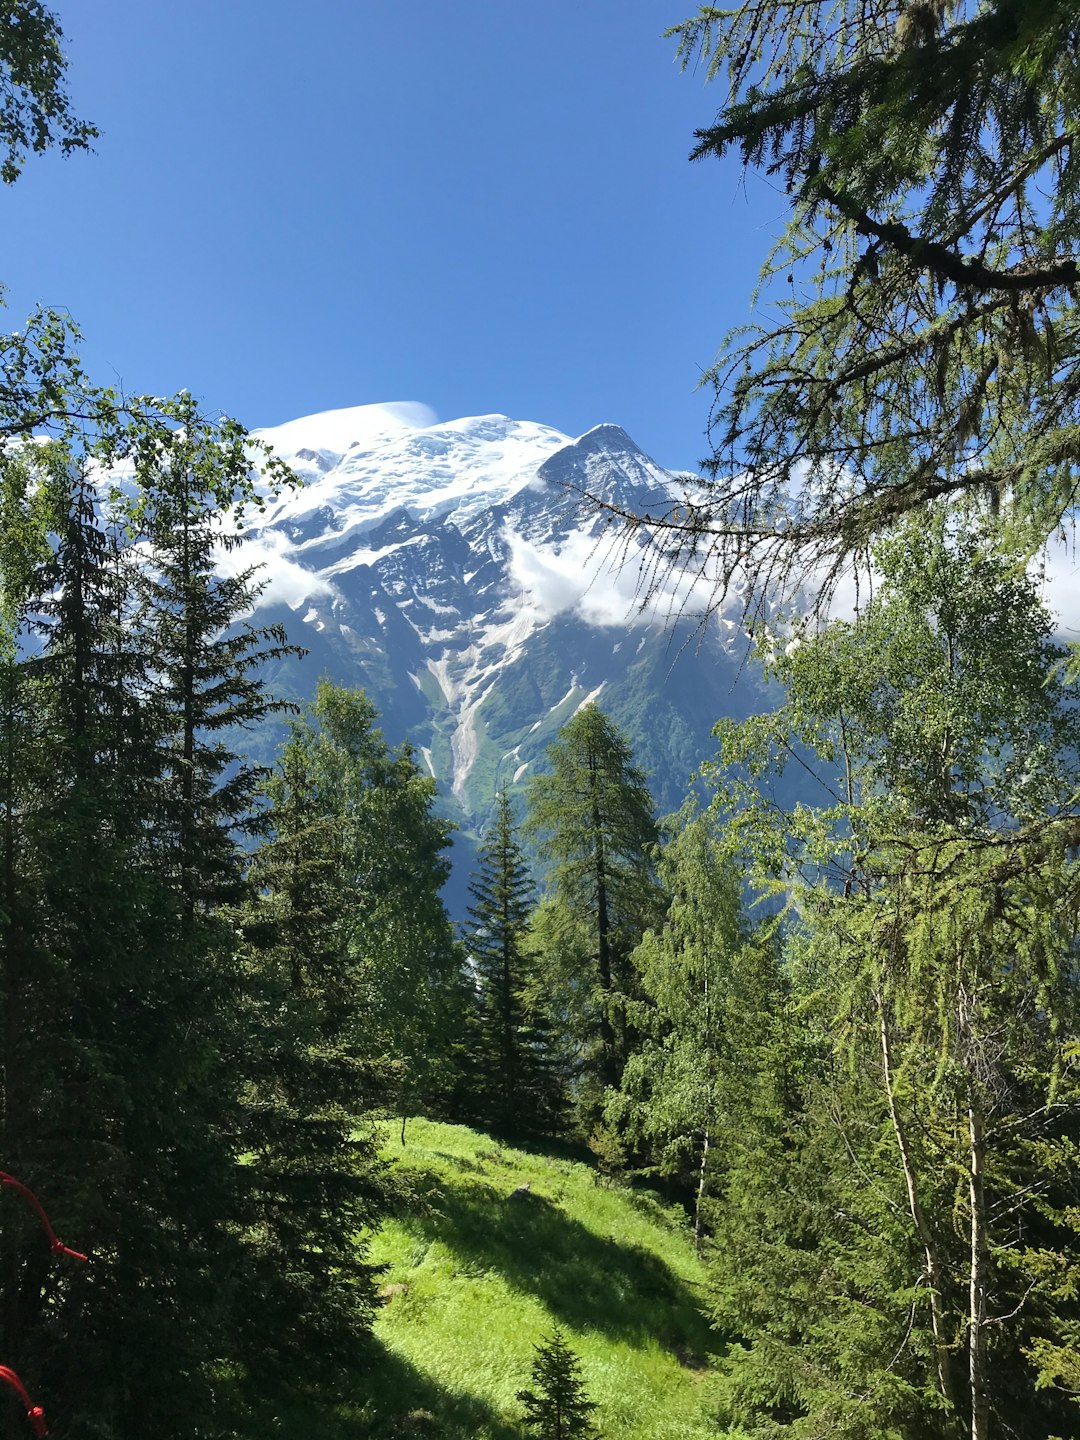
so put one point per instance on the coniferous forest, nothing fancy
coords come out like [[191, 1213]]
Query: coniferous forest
[[829, 1043]]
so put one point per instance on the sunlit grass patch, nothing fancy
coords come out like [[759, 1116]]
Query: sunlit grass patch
[[477, 1275]]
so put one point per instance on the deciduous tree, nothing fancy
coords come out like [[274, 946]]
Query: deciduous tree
[[915, 1197]]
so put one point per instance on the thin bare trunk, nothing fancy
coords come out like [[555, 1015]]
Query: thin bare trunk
[[942, 1356], [608, 1040], [980, 1400], [699, 1197]]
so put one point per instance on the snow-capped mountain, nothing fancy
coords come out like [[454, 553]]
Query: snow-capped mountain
[[450, 569]]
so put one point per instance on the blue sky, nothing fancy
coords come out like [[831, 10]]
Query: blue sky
[[484, 205]]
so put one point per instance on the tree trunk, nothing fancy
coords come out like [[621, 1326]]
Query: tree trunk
[[702, 1169], [943, 1359], [980, 1398], [611, 1066]]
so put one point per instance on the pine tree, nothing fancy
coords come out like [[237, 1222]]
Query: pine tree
[[916, 336], [205, 686], [557, 1408], [316, 1185], [121, 989], [594, 819], [519, 1089], [402, 969], [84, 899]]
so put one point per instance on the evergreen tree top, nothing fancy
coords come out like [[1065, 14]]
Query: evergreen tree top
[[557, 1408], [594, 788]]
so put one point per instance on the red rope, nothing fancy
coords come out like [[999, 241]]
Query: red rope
[[57, 1245], [34, 1413]]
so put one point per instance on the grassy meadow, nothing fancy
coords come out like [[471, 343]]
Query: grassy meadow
[[474, 1279]]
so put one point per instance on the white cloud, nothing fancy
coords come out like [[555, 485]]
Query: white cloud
[[285, 582], [604, 580], [1060, 565], [1055, 569]]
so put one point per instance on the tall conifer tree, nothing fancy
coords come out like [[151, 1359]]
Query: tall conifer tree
[[315, 1182], [593, 817], [121, 994], [402, 969], [708, 985], [516, 1063]]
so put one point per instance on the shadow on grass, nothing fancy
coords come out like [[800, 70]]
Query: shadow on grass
[[392, 1400], [585, 1280]]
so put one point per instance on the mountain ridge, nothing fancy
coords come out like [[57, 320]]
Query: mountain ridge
[[451, 569]]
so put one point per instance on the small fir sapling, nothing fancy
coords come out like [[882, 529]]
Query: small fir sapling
[[557, 1408]]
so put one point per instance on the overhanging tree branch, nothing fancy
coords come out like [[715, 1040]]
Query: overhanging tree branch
[[963, 271]]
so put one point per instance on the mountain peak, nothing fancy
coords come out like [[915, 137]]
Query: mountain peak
[[609, 437], [335, 432], [449, 567], [606, 462]]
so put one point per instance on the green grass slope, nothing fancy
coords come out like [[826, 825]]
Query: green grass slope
[[474, 1280]]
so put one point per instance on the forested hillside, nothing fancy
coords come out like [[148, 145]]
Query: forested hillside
[[760, 1118]]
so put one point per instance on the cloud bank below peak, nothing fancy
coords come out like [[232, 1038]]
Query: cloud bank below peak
[[606, 582], [279, 578]]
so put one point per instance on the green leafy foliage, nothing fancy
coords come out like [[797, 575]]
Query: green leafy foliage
[[314, 1079], [194, 1039], [34, 108], [708, 987], [136, 1032], [894, 1238], [401, 966], [120, 983]]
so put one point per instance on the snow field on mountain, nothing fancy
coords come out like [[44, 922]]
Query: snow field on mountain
[[451, 569]]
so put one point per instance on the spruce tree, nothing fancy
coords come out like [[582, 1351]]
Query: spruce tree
[[519, 1090], [72, 882], [557, 1408], [401, 967], [122, 996], [315, 1183], [593, 817], [205, 687], [77, 1084]]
